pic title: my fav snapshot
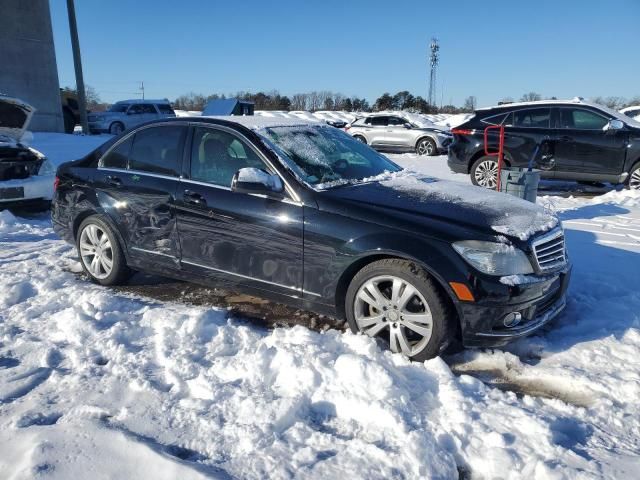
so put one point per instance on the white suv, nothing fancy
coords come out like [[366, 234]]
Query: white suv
[[394, 132], [128, 113]]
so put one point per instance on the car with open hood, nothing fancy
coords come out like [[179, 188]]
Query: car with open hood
[[302, 213], [26, 176]]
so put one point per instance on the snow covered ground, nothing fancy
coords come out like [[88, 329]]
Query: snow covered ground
[[96, 383]]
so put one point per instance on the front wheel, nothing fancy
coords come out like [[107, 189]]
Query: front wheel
[[100, 253], [426, 146], [484, 172], [397, 301], [634, 178], [360, 138]]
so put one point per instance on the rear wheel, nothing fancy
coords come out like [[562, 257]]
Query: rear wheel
[[634, 177], [426, 146], [100, 253], [397, 301], [484, 172], [116, 128]]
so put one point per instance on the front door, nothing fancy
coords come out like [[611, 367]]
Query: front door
[[247, 239], [582, 142], [140, 113], [137, 183]]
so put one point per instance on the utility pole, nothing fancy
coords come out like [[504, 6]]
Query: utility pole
[[77, 64]]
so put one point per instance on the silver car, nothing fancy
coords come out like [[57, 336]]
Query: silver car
[[128, 113], [397, 133]]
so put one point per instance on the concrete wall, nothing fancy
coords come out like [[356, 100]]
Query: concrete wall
[[28, 67]]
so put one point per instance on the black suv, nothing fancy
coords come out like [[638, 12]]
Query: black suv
[[587, 142], [307, 215]]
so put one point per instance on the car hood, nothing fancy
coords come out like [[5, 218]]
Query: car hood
[[430, 201], [15, 116]]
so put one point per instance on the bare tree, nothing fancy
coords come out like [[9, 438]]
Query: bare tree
[[531, 97], [470, 103]]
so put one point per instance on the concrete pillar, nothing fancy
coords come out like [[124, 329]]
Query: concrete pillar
[[28, 67]]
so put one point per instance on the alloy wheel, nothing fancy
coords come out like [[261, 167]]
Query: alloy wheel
[[96, 251], [425, 147], [486, 174], [392, 307], [634, 180]]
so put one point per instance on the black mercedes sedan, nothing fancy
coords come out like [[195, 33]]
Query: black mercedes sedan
[[304, 214]]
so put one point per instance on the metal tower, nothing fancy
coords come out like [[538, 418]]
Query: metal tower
[[434, 58]]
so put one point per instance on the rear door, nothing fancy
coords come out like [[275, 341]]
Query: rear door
[[137, 184], [582, 143], [248, 239], [378, 132], [140, 113], [524, 130]]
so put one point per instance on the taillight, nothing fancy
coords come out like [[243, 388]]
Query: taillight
[[56, 182], [461, 131]]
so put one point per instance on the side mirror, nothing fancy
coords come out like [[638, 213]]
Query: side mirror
[[546, 160], [255, 180], [408, 126], [613, 125]]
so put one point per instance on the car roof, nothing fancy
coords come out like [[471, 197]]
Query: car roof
[[139, 100], [574, 101], [251, 122]]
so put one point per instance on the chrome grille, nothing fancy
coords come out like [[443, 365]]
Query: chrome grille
[[549, 250]]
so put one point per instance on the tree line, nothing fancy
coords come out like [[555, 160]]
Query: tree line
[[328, 100]]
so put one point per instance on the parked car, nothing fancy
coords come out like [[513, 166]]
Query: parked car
[[26, 176], [588, 142], [632, 111], [387, 132], [304, 214], [127, 114]]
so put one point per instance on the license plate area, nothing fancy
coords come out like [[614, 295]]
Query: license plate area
[[11, 193]]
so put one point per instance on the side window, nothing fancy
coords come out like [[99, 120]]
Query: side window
[[165, 108], [495, 119], [397, 121], [117, 157], [135, 109], [379, 121], [217, 155], [581, 119], [148, 108], [158, 150], [367, 121], [532, 118]]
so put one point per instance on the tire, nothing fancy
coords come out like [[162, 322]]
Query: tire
[[391, 279], [484, 172], [91, 233], [69, 121], [633, 182], [426, 146], [360, 138], [116, 128]]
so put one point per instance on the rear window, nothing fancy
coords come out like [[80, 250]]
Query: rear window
[[164, 108], [158, 150]]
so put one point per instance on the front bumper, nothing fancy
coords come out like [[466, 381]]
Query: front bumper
[[34, 188], [538, 303]]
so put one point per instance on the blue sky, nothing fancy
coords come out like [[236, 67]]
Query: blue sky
[[491, 49]]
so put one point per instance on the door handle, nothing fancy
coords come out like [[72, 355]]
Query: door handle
[[114, 181], [194, 198]]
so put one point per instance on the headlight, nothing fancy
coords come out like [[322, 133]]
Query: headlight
[[46, 168], [494, 258]]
